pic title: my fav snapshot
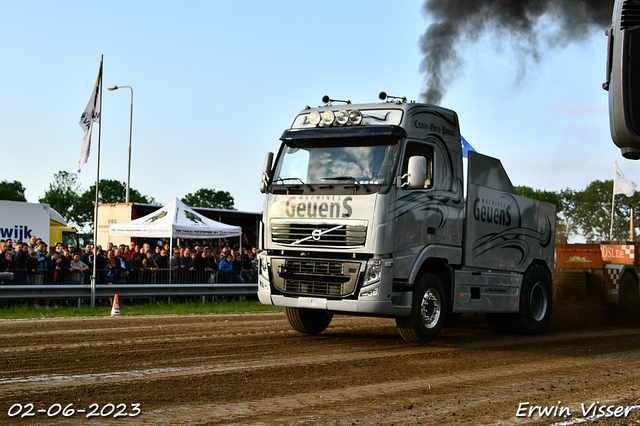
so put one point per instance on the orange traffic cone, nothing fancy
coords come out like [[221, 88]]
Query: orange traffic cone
[[115, 308]]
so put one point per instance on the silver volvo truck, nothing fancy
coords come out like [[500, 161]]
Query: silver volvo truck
[[367, 212]]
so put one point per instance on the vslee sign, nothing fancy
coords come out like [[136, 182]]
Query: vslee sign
[[623, 77]]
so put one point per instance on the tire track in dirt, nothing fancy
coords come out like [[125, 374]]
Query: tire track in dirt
[[243, 411], [252, 369]]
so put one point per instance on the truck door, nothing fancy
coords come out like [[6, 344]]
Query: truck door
[[416, 213]]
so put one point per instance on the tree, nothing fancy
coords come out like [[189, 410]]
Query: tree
[[547, 196], [590, 210], [110, 192], [63, 195], [12, 191], [209, 198]]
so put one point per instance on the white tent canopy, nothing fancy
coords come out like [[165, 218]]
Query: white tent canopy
[[175, 220]]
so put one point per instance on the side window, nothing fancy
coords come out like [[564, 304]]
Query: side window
[[423, 150]]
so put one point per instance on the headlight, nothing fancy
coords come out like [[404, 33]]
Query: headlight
[[263, 266], [374, 269]]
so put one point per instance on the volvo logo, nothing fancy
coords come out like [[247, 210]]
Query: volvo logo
[[317, 233]]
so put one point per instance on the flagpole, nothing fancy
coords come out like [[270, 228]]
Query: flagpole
[[95, 208], [613, 195], [631, 226]]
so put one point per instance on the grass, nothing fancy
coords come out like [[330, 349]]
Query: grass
[[126, 309]]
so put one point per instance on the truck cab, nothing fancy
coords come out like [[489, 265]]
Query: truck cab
[[365, 214]]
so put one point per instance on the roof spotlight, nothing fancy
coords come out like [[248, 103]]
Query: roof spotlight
[[342, 117], [328, 117]]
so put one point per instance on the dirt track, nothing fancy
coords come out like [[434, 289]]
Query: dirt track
[[253, 369]]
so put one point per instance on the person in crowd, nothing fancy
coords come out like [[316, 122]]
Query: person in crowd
[[186, 265], [77, 269], [7, 264], [126, 251], [225, 270], [150, 267], [67, 257], [3, 248], [30, 267], [43, 260], [216, 254], [247, 266], [22, 254], [174, 265], [162, 261], [40, 266], [58, 248], [238, 272], [54, 275], [200, 264], [72, 250], [156, 252], [136, 268], [101, 264], [87, 258], [121, 264], [110, 272], [33, 241]]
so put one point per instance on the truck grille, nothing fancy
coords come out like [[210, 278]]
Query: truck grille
[[315, 276], [313, 287], [315, 267], [318, 235]]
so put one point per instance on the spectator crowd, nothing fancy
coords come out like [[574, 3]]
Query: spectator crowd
[[204, 261]]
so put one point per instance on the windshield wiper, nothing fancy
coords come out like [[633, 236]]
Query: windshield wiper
[[282, 180], [356, 183], [353, 178]]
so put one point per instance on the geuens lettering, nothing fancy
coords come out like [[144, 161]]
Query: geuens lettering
[[318, 209]]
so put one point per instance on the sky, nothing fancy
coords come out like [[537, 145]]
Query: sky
[[216, 83]]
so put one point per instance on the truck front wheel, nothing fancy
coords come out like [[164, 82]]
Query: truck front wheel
[[427, 311], [310, 321], [536, 301]]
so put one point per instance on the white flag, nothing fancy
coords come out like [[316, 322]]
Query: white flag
[[623, 185], [91, 113]]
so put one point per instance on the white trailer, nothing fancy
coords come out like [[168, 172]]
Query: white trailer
[[19, 221]]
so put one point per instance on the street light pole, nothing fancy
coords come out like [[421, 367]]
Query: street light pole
[[126, 200]]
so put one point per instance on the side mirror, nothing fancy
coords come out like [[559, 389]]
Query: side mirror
[[266, 172], [417, 171], [623, 66]]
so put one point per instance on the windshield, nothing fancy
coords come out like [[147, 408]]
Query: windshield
[[337, 162]]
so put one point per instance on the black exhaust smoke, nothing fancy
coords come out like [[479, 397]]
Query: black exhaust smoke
[[465, 21]]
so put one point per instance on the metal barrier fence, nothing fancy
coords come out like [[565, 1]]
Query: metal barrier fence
[[83, 291], [174, 284], [131, 276]]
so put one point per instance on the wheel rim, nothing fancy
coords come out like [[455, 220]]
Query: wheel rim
[[538, 301], [430, 309]]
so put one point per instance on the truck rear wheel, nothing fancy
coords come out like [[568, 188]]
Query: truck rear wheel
[[536, 301], [428, 311], [310, 321]]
